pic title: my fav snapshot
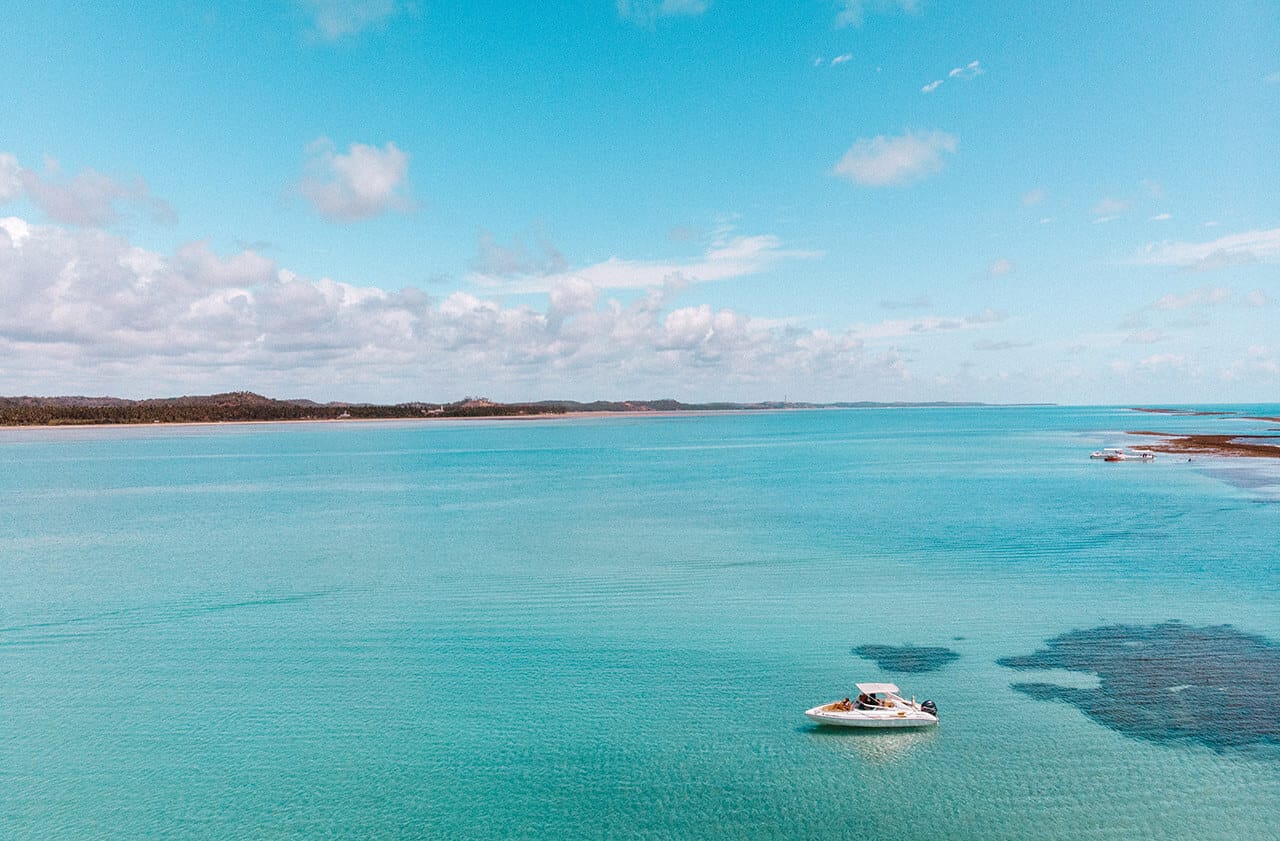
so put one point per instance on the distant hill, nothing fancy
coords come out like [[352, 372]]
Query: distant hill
[[240, 406]]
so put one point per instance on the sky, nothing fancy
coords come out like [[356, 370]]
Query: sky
[[819, 200]]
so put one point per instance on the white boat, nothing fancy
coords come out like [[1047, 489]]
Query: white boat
[[1109, 453], [878, 705]]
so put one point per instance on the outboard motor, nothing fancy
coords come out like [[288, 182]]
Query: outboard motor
[[929, 707]]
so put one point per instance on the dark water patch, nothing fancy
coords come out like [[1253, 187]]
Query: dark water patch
[[1216, 686], [907, 658]]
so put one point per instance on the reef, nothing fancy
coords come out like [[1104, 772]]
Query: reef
[[1215, 686], [907, 658]]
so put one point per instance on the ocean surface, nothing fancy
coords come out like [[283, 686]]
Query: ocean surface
[[609, 627]]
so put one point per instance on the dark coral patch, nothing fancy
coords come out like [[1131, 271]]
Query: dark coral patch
[[1170, 682], [907, 658]]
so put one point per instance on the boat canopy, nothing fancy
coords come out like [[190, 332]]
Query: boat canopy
[[873, 688]]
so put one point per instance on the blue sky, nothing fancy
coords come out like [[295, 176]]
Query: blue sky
[[703, 199]]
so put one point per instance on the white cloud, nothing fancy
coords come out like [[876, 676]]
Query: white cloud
[[1000, 268], [646, 12], [987, 344], [1109, 208], [969, 71], [1203, 297], [883, 161], [1145, 337], [10, 178], [853, 12], [1159, 361], [903, 327], [364, 182], [1230, 250], [920, 302], [336, 19], [1162, 217], [88, 310], [90, 199], [515, 260], [932, 86], [1272, 78], [1257, 298], [841, 59], [1034, 197], [725, 258]]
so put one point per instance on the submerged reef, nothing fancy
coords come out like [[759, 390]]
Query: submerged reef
[[1215, 686], [907, 658]]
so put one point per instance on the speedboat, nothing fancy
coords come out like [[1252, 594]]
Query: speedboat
[[878, 705], [1109, 453]]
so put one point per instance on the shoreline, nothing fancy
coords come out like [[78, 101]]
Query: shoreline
[[632, 413], [1229, 446]]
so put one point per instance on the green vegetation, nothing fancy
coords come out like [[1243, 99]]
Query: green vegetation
[[237, 406], [243, 406]]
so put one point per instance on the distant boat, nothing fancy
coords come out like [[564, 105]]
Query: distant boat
[[878, 705], [1118, 454]]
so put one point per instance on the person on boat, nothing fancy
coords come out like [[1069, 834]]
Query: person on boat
[[865, 701], [844, 705]]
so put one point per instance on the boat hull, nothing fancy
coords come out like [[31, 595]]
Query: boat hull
[[887, 719]]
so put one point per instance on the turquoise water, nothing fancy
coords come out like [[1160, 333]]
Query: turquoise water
[[606, 627]]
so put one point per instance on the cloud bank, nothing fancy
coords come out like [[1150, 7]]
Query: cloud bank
[[92, 312]]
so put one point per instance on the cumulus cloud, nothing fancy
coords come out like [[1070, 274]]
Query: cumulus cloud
[[90, 199], [853, 12], [336, 19], [88, 309], [884, 161], [364, 182], [647, 12], [514, 260], [727, 257], [1231, 250]]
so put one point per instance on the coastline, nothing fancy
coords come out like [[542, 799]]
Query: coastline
[[1230, 446], [631, 413]]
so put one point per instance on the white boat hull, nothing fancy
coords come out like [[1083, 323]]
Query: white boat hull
[[871, 718]]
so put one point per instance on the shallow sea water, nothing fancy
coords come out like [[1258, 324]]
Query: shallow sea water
[[607, 627]]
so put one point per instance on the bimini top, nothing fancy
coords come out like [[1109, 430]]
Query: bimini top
[[873, 688]]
